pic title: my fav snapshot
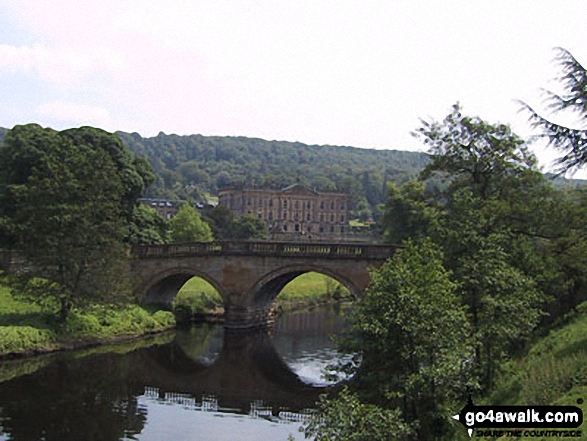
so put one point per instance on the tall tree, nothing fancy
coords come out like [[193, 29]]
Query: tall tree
[[475, 154], [488, 213], [408, 212], [65, 201], [188, 226], [571, 142], [414, 339]]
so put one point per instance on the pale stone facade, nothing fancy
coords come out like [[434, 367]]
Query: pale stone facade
[[292, 211]]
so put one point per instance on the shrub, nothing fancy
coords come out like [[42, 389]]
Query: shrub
[[24, 338], [164, 319]]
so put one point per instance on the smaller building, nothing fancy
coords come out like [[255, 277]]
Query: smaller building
[[164, 207], [293, 211], [167, 208]]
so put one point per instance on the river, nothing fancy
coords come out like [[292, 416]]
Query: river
[[198, 383]]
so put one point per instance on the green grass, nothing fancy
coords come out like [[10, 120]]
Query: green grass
[[552, 372], [310, 289], [196, 297], [26, 327]]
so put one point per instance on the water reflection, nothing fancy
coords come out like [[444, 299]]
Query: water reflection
[[189, 386]]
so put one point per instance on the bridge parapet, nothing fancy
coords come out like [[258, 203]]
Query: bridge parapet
[[270, 249]]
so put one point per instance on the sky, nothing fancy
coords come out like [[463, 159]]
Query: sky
[[337, 72]]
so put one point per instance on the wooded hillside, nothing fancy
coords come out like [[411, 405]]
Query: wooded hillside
[[191, 166]]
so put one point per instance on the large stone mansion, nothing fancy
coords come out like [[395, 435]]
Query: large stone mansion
[[292, 211]]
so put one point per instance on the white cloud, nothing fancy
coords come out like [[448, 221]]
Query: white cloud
[[78, 113], [328, 72], [56, 65]]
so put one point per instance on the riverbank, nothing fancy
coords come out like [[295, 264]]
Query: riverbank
[[27, 329]]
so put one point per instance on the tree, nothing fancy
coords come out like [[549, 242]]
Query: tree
[[249, 227], [475, 154], [571, 142], [188, 226], [221, 221], [148, 227], [408, 213], [65, 201], [489, 214], [347, 418], [226, 225], [504, 304], [414, 339]]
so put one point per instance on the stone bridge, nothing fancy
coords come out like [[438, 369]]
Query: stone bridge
[[249, 275]]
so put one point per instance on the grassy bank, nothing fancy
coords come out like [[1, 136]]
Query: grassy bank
[[26, 328], [198, 297], [553, 371]]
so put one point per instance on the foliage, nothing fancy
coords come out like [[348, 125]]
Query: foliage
[[507, 238], [221, 220], [475, 154], [552, 371], [187, 167], [188, 226], [101, 321], [571, 142], [493, 228], [225, 225], [24, 339], [348, 418], [65, 199], [249, 227], [414, 339], [148, 227], [29, 327], [407, 213]]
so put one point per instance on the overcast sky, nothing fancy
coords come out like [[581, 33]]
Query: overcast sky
[[320, 72]]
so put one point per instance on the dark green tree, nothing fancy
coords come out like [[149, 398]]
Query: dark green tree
[[472, 153], [249, 227], [66, 199], [489, 214], [408, 212], [412, 333], [348, 418], [147, 228], [225, 225], [221, 221]]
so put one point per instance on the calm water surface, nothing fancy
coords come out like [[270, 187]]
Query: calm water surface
[[194, 384]]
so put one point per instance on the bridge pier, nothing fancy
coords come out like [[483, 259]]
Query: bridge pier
[[245, 319]]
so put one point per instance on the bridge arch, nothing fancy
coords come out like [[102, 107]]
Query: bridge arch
[[248, 275], [268, 287], [162, 287]]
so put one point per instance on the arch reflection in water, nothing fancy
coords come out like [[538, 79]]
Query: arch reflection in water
[[192, 388], [246, 369]]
